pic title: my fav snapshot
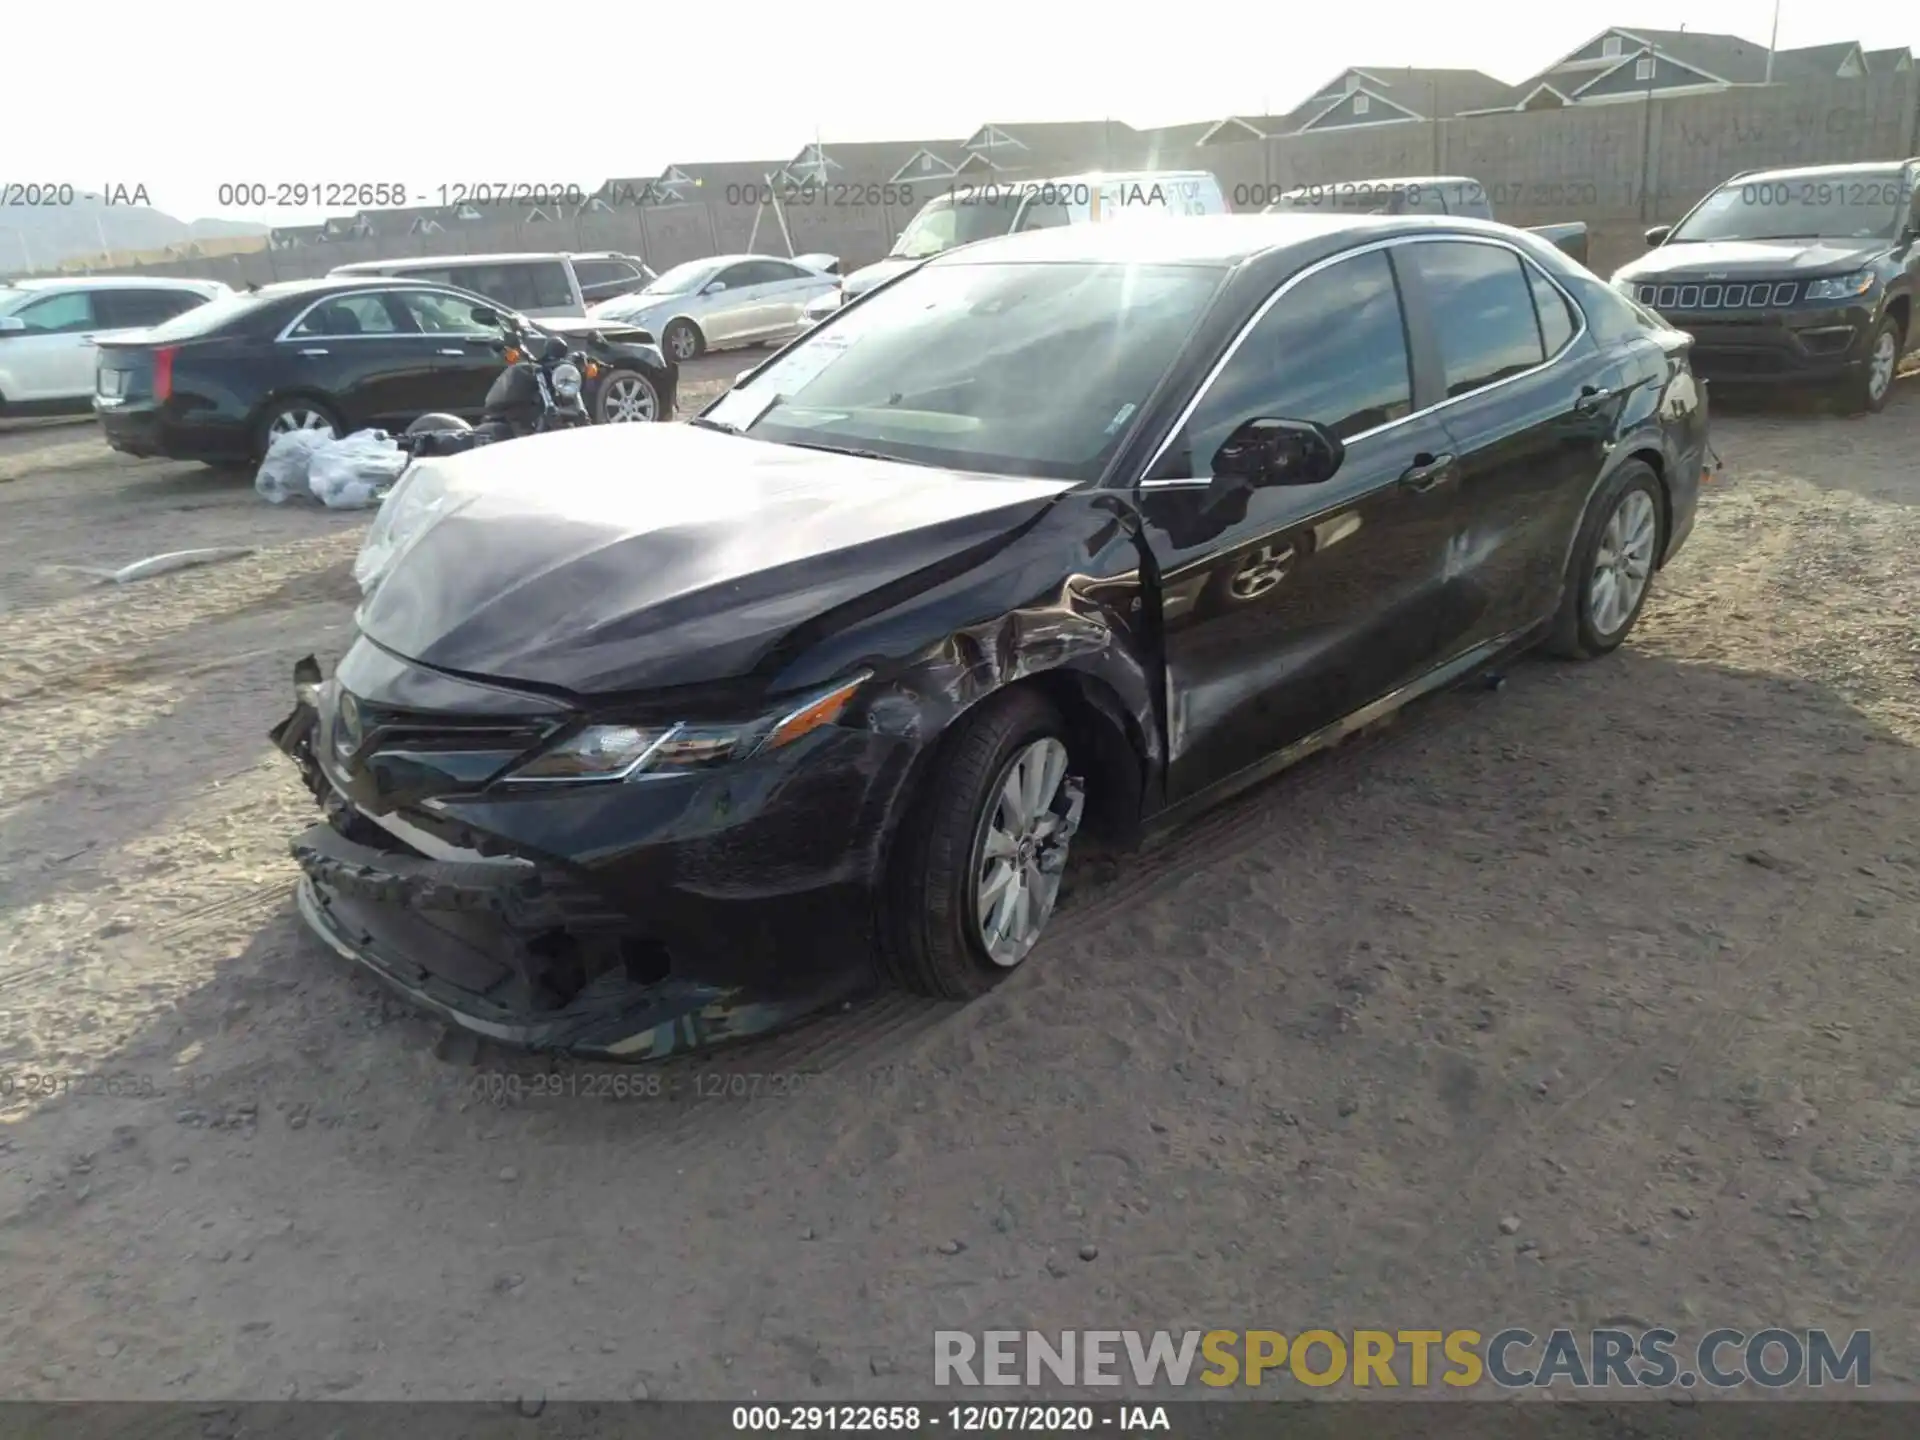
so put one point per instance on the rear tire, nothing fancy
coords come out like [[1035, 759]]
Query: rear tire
[[683, 342], [284, 416], [1611, 571], [970, 860]]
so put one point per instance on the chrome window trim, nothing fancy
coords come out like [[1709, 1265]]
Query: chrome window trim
[[1200, 391], [286, 336]]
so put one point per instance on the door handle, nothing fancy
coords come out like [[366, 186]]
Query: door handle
[[1592, 397], [313, 352], [454, 351], [1427, 471]]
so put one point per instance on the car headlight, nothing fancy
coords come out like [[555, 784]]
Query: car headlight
[[1841, 287], [566, 381], [620, 752]]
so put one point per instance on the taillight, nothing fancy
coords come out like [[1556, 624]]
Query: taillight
[[163, 372]]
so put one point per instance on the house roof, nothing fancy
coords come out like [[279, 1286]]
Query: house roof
[[1061, 135], [1812, 62], [1165, 138], [1885, 62], [882, 157], [1433, 93]]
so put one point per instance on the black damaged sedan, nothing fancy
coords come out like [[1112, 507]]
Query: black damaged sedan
[[655, 737]]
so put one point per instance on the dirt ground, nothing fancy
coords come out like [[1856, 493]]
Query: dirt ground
[[1622, 953]]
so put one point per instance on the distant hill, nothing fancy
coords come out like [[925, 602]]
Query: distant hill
[[57, 233]]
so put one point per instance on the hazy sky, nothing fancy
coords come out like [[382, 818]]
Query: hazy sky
[[184, 96]]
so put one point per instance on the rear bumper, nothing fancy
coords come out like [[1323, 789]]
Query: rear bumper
[[146, 432]]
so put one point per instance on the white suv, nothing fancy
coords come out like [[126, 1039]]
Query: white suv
[[47, 330]]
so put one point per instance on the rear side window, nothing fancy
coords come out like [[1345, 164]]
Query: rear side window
[[127, 309], [1482, 309], [1332, 349], [1557, 322], [518, 285], [602, 278]]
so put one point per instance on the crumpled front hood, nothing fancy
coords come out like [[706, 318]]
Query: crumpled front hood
[[1744, 259], [630, 557]]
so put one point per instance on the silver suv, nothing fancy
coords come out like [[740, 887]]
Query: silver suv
[[548, 285], [47, 330]]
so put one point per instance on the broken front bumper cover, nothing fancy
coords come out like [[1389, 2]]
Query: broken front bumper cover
[[471, 943]]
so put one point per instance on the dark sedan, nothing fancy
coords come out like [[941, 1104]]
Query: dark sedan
[[220, 382], [1090, 526]]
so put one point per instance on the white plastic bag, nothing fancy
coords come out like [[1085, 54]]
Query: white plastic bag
[[284, 472], [352, 474]]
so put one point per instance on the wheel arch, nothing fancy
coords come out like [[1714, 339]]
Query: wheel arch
[[1900, 308], [1655, 460]]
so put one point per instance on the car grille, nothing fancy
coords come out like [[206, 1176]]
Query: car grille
[[1721, 295]]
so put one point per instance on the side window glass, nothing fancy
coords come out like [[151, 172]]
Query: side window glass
[[1041, 215], [550, 285], [1332, 349], [505, 285], [734, 277], [349, 315], [58, 314], [1556, 316], [437, 313], [1482, 311]]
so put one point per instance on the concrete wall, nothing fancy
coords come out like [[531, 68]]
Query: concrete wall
[[1620, 167]]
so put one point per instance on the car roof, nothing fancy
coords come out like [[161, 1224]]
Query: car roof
[[1216, 240], [426, 262], [115, 282], [324, 283], [1852, 167]]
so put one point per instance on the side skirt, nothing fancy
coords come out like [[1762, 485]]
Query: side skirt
[[1438, 678]]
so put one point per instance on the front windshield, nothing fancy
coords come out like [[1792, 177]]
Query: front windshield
[[1844, 206], [12, 299], [956, 220], [682, 279], [1013, 369]]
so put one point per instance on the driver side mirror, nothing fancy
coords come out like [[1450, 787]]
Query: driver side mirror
[[713, 287], [1267, 451], [11, 325], [1657, 234], [485, 315]]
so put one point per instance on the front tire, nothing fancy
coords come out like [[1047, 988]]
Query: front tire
[[683, 341], [976, 874], [626, 398], [1868, 391], [1611, 572]]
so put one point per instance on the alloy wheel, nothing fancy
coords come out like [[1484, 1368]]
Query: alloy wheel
[[628, 401], [1622, 562], [684, 343], [1880, 365], [299, 417], [1021, 850]]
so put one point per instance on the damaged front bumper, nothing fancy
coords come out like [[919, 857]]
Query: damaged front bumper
[[533, 953]]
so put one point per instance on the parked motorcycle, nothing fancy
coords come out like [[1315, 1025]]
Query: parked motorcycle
[[537, 392]]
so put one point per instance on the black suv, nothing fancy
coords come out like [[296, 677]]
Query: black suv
[[1800, 277]]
